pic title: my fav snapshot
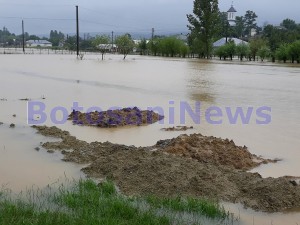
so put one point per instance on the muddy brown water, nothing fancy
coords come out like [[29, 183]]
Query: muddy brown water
[[147, 82]]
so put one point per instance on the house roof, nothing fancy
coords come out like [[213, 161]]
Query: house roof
[[41, 42], [232, 9], [222, 42]]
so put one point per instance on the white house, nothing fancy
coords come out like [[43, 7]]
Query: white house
[[38, 43]]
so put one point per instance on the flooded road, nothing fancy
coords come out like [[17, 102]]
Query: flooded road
[[59, 80]]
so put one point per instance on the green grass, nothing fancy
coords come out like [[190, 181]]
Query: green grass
[[88, 203], [206, 207]]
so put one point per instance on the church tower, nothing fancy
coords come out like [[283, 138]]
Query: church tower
[[231, 15]]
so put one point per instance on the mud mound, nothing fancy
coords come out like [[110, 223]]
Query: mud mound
[[178, 128], [140, 171], [211, 150], [51, 131], [115, 118]]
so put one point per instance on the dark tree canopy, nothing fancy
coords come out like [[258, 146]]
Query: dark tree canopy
[[249, 22], [203, 23]]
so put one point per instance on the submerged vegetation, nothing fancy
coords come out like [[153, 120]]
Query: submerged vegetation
[[85, 202]]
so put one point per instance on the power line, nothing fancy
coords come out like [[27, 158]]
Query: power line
[[36, 5], [36, 18], [115, 26], [150, 23]]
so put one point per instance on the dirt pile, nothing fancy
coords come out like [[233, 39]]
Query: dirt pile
[[115, 118], [211, 150], [143, 171], [178, 128]]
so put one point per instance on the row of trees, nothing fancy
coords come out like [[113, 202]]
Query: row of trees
[[259, 49], [250, 51], [158, 46], [165, 46]]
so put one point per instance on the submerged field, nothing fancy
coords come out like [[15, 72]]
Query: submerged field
[[147, 82]]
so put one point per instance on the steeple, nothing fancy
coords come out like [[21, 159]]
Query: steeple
[[231, 15]]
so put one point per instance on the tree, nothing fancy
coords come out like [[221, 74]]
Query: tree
[[33, 37], [227, 50], [250, 22], [70, 43], [153, 45], [275, 38], [242, 50], [223, 26], [264, 52], [170, 46], [239, 26], [289, 24], [204, 22], [221, 52], [294, 51], [86, 44], [255, 45], [143, 46], [282, 53], [125, 44], [230, 49], [102, 43], [56, 37], [196, 46], [184, 50]]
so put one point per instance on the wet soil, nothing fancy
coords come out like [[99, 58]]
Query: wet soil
[[115, 118], [212, 150], [180, 167], [178, 128]]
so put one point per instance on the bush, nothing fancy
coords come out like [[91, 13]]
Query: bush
[[242, 50], [282, 53], [294, 51], [264, 52], [227, 50]]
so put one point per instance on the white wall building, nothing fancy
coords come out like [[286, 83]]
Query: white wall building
[[38, 43]]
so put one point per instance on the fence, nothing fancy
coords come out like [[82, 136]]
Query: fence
[[40, 51]]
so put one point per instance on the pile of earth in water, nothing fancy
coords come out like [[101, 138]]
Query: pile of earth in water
[[115, 118], [153, 170], [178, 128], [212, 150]]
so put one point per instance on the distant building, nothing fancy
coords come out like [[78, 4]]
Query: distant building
[[253, 32], [108, 47], [38, 43], [182, 37], [279, 27], [222, 42]]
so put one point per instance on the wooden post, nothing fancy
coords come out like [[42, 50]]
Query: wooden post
[[23, 36], [77, 29]]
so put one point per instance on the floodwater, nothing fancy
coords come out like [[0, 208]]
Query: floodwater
[[171, 85]]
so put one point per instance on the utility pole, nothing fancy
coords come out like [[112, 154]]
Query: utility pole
[[23, 36], [112, 41], [152, 36], [77, 29]]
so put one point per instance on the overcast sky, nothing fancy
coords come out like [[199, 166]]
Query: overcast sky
[[166, 16]]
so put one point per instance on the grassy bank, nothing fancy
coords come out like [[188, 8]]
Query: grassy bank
[[88, 203]]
